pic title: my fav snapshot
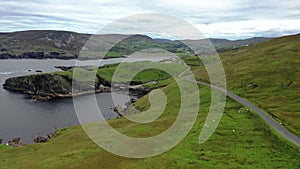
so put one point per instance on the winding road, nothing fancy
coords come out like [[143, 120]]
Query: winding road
[[273, 123]]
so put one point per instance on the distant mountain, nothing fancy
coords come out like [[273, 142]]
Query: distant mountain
[[42, 44], [222, 45]]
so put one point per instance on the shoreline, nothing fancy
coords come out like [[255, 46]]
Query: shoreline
[[43, 56], [133, 91], [17, 141], [137, 93]]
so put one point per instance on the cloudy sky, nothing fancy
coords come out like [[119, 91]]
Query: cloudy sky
[[231, 19]]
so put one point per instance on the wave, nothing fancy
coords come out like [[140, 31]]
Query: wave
[[5, 73]]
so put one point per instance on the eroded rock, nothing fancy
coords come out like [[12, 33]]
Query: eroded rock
[[15, 142]]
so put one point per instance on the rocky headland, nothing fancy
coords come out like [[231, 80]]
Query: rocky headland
[[46, 86]]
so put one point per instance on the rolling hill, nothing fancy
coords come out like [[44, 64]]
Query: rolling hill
[[268, 75], [40, 44]]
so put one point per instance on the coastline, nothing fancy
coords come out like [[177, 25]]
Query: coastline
[[17, 142], [42, 56]]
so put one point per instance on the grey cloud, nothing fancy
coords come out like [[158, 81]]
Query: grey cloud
[[90, 16]]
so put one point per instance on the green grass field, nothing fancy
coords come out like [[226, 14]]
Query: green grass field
[[242, 140], [153, 71]]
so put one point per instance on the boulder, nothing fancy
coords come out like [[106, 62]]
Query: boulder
[[15, 142], [64, 68], [41, 139]]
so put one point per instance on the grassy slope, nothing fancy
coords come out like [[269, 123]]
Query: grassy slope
[[147, 75], [3, 147], [274, 67], [127, 69], [252, 145]]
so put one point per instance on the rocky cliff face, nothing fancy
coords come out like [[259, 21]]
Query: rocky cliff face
[[47, 86]]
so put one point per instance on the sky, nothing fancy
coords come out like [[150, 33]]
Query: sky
[[230, 19]]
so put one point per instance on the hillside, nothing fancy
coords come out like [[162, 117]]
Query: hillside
[[268, 75], [242, 140], [40, 44], [222, 45]]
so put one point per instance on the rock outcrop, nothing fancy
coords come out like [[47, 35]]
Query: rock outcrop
[[40, 139], [16, 142], [46, 86], [64, 68]]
